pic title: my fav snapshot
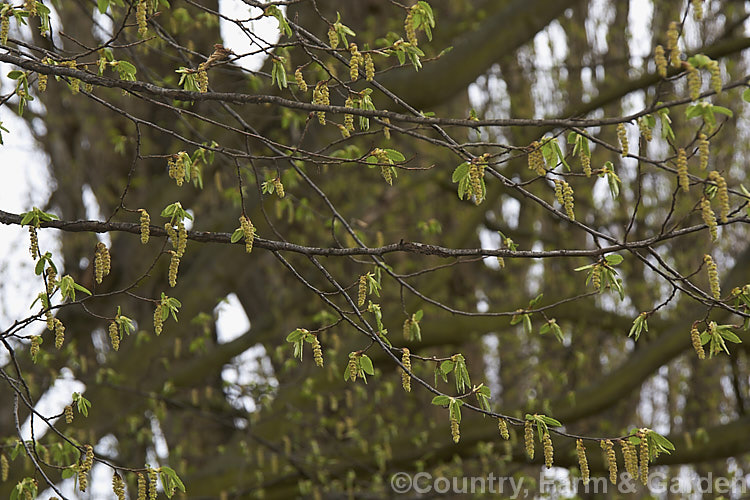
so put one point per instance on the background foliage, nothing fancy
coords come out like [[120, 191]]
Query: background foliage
[[451, 213]]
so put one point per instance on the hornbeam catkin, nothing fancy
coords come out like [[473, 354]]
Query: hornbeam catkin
[[695, 339], [609, 452], [582, 461], [502, 425], [713, 276], [145, 225], [528, 439], [405, 377], [682, 170]]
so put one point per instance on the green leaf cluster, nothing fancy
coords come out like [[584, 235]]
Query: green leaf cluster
[[175, 212], [457, 365]]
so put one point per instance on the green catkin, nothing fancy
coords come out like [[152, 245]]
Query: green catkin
[[455, 430], [354, 62], [317, 352], [693, 81], [697, 9], [140, 18], [405, 378], [176, 168], [249, 233], [609, 452], [344, 131], [369, 67], [362, 290], [172, 169], [716, 83], [69, 414], [709, 219], [502, 425], [202, 78], [89, 460], [180, 163], [174, 264], [645, 130], [101, 262], [411, 33], [41, 82], [145, 226], [660, 60], [476, 174], [34, 243], [49, 318], [85, 467], [596, 277], [722, 194], [75, 83], [673, 35], [548, 451], [321, 98], [622, 136], [352, 366], [141, 487], [385, 167], [528, 439], [301, 83], [114, 335], [568, 200], [106, 260], [181, 239], [333, 37], [644, 455], [695, 339], [152, 478], [278, 187], [559, 192], [536, 159], [158, 318], [406, 329], [586, 163], [59, 333], [387, 174], [713, 276], [83, 480], [4, 467], [631, 458], [583, 463], [682, 170], [703, 150], [4, 28], [349, 118], [51, 280], [171, 233], [118, 486], [36, 341], [386, 130]]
